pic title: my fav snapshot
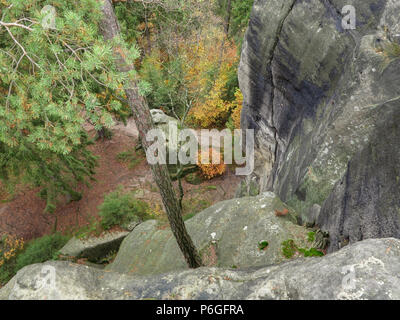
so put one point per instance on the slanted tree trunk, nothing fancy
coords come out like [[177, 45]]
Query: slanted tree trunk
[[141, 114]]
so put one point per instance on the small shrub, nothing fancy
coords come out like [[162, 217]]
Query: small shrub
[[311, 236], [193, 178], [313, 252], [289, 248], [104, 134], [189, 216], [208, 169], [15, 254], [262, 245], [132, 157], [119, 208], [109, 258], [41, 250], [93, 228], [392, 50], [213, 111], [192, 206], [10, 246]]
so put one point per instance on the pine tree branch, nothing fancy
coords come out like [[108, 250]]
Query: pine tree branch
[[14, 24], [19, 45]]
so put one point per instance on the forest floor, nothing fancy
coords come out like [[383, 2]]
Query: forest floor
[[21, 214]]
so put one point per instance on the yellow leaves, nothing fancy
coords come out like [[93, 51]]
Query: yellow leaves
[[10, 248], [201, 68], [209, 61], [237, 108], [208, 53], [214, 111], [156, 210]]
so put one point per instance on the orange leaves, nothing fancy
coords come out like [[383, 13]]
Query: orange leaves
[[143, 26], [282, 213], [208, 169]]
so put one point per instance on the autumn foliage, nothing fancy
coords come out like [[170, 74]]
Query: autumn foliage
[[201, 76], [213, 60], [209, 169], [11, 246], [237, 108]]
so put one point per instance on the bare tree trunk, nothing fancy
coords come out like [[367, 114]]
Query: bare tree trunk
[[228, 17], [141, 113]]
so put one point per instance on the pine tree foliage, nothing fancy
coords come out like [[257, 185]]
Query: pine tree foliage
[[53, 81]]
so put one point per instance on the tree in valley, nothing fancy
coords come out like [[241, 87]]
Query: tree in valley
[[141, 113], [236, 14]]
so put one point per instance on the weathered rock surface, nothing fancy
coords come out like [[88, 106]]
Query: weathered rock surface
[[317, 96], [228, 233], [160, 118], [366, 270], [309, 218], [366, 202], [163, 122], [93, 248]]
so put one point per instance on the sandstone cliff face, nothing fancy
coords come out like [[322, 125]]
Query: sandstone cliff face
[[325, 104]]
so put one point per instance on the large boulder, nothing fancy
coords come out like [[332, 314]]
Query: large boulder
[[319, 98], [93, 248], [366, 270], [163, 122], [227, 235]]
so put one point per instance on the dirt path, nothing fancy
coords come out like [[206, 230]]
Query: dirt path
[[24, 217]]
